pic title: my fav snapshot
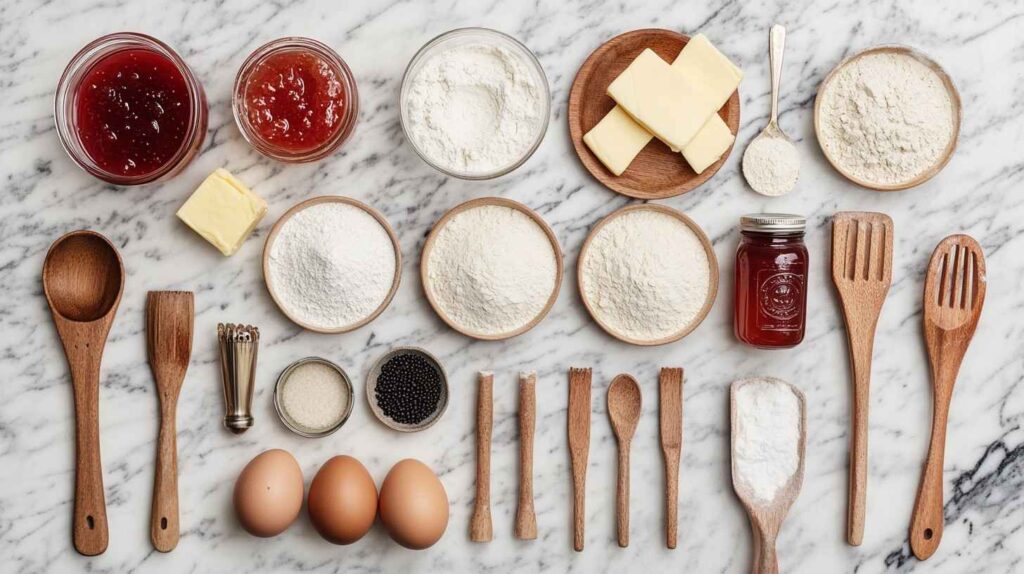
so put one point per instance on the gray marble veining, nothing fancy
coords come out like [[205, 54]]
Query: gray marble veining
[[43, 194]]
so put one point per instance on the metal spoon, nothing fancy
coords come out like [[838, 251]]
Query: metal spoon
[[781, 181]]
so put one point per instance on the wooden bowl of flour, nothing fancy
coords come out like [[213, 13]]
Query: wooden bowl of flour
[[429, 246], [954, 97], [332, 199], [713, 276]]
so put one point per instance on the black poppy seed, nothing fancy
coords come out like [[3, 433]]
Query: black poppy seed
[[408, 388]]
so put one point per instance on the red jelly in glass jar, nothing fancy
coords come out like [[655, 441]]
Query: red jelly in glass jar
[[295, 100], [771, 281]]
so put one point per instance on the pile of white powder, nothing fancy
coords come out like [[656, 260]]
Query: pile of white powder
[[331, 265], [766, 430], [646, 275], [491, 270], [771, 165], [886, 118], [475, 108]]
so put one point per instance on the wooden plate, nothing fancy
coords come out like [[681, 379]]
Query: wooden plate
[[954, 95], [500, 201], [708, 249], [657, 172], [333, 199]]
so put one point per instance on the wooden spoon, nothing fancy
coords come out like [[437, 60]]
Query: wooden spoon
[[670, 402], [526, 517], [624, 407], [862, 273], [579, 448], [480, 524], [954, 293], [169, 319], [83, 279], [766, 517]]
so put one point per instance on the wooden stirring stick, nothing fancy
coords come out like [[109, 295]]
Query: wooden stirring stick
[[480, 525], [670, 398], [579, 447], [169, 319], [862, 273], [526, 518]]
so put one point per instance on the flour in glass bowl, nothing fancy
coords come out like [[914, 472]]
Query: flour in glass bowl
[[475, 107]]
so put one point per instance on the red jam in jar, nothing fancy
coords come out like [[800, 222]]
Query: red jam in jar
[[295, 99], [771, 281], [133, 111]]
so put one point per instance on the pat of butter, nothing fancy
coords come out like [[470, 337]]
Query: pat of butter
[[617, 139], [223, 211], [709, 144], [665, 103]]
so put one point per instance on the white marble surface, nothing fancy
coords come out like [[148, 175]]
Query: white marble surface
[[42, 194]]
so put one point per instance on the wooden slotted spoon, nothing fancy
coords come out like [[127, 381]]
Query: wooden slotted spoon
[[862, 273], [954, 293]]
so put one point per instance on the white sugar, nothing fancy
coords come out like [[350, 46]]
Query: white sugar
[[315, 396]]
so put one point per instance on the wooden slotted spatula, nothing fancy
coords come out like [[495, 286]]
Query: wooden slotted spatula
[[579, 448], [169, 320], [954, 292], [862, 273]]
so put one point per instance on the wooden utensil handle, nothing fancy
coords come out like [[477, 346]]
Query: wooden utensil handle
[[927, 523], [861, 347], [480, 526], [671, 498], [89, 530], [164, 528], [579, 488], [766, 561], [526, 518], [622, 496]]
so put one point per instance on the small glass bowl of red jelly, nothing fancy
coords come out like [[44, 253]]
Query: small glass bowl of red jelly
[[129, 110], [295, 100]]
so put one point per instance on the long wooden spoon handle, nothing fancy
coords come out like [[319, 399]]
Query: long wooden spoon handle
[[671, 500], [861, 344], [928, 520], [164, 529], [526, 518], [766, 561], [622, 496], [89, 530], [480, 525]]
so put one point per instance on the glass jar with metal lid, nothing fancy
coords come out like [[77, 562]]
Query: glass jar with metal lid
[[771, 280]]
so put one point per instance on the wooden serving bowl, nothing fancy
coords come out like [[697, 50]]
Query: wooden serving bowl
[[657, 172], [333, 199], [479, 202], [708, 249], [954, 95]]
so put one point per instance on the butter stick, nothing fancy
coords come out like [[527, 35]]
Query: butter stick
[[223, 211]]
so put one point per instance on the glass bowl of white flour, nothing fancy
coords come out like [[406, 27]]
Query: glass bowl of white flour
[[475, 103]]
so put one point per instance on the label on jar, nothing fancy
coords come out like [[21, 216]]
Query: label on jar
[[780, 297]]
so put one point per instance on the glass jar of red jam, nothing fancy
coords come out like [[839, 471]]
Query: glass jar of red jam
[[129, 110], [295, 100], [771, 281]]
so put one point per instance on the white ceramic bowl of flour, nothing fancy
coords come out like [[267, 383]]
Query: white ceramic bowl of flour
[[491, 268], [647, 274], [475, 103], [332, 264]]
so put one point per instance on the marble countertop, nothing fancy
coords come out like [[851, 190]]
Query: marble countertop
[[43, 194]]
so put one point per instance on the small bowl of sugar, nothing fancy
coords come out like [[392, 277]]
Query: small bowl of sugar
[[313, 397]]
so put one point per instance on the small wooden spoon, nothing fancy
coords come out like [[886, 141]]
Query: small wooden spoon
[[624, 407], [766, 517], [83, 279], [169, 319], [954, 293]]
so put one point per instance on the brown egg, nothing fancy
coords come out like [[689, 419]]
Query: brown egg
[[268, 493], [342, 500], [413, 505]]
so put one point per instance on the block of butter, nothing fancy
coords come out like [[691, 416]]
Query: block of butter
[[223, 211], [616, 139]]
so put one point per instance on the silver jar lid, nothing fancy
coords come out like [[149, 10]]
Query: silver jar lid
[[773, 223]]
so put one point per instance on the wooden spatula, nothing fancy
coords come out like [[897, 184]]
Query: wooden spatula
[[954, 292], [169, 319], [862, 273], [579, 448], [670, 399]]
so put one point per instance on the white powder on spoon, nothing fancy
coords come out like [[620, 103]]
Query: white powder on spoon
[[491, 270], [646, 275], [331, 265], [771, 165], [767, 436]]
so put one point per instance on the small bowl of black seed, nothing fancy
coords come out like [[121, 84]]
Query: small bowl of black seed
[[407, 389]]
